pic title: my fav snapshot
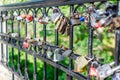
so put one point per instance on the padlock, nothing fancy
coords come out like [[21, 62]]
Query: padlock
[[56, 13], [81, 19], [25, 43], [57, 56], [44, 20], [29, 18], [58, 23], [80, 63], [116, 22], [105, 70], [13, 37], [75, 20], [21, 17], [67, 53], [92, 70], [103, 22], [3, 36], [67, 31], [49, 53], [62, 26], [9, 17], [116, 76]]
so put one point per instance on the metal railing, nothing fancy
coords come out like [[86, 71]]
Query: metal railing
[[7, 15]]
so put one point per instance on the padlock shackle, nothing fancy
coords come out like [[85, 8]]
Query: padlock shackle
[[112, 63]]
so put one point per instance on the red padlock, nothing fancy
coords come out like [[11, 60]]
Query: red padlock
[[29, 18], [25, 45], [92, 71], [97, 25]]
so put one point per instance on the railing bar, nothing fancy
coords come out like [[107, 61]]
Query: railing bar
[[90, 43], [26, 56], [62, 67], [117, 40], [47, 3], [35, 65], [1, 24], [6, 45], [71, 42], [56, 44], [18, 64], [12, 30], [44, 52]]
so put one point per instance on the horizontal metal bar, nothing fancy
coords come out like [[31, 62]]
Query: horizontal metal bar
[[44, 46], [45, 3], [57, 65]]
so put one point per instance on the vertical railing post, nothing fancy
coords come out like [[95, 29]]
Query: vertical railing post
[[34, 32], [4, 31], [26, 55], [90, 42], [18, 63], [44, 38], [56, 44], [12, 30], [6, 46], [1, 27], [117, 41], [71, 42]]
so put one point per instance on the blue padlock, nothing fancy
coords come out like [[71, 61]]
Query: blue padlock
[[81, 19]]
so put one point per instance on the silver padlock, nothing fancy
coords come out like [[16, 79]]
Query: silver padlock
[[14, 35], [49, 53], [116, 75], [55, 14], [57, 56], [105, 70]]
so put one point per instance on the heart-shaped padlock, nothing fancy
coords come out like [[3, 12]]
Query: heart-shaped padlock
[[29, 18], [57, 56]]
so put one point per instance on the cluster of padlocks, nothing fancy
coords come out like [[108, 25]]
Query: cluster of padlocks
[[97, 18]]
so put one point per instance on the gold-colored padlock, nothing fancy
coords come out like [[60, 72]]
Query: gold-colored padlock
[[80, 64]]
